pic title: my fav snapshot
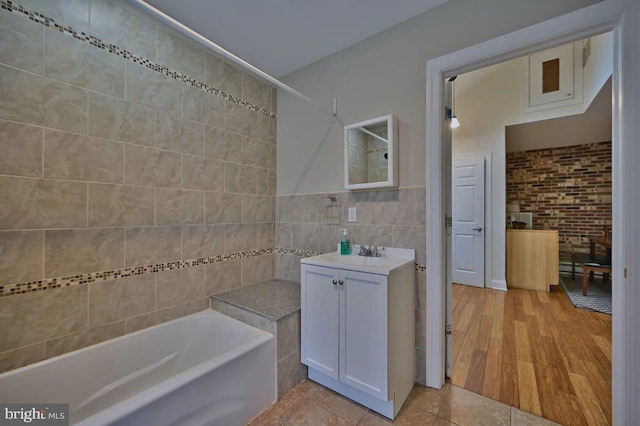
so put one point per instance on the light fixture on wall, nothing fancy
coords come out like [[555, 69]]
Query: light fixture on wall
[[450, 111]]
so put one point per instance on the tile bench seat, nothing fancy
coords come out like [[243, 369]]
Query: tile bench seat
[[272, 306]]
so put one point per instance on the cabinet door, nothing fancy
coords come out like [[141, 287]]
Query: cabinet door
[[319, 321], [364, 333]]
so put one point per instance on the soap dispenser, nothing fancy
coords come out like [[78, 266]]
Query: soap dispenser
[[345, 244]]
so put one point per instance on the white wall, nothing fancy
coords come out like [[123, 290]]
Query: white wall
[[599, 66], [501, 89], [491, 98], [381, 75], [594, 126]]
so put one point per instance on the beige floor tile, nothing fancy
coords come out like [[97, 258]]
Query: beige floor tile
[[469, 409], [429, 399], [374, 419], [421, 406], [522, 418], [443, 422], [312, 404], [314, 415], [339, 405], [415, 414], [287, 405], [267, 418]]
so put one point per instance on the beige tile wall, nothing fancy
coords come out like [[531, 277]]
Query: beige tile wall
[[106, 164], [390, 217]]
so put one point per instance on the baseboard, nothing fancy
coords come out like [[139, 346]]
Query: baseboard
[[499, 285], [565, 267]]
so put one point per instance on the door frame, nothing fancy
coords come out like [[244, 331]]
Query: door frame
[[623, 18], [489, 281]]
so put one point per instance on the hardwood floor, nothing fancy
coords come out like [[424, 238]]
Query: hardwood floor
[[534, 351]]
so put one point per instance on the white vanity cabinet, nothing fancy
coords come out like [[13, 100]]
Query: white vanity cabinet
[[358, 331]]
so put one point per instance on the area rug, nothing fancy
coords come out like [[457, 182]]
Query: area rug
[[598, 296]]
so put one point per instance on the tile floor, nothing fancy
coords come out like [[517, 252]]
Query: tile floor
[[312, 404]]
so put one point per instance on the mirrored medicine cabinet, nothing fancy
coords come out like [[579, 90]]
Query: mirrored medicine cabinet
[[371, 154]]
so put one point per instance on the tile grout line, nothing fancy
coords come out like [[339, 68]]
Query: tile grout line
[[44, 244], [124, 249], [42, 148]]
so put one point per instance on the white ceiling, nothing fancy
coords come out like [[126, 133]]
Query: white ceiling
[[281, 36]]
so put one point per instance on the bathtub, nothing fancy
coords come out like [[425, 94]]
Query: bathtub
[[201, 369]]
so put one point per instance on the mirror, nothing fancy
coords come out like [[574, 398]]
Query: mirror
[[370, 154]]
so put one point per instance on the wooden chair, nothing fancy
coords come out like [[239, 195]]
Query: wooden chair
[[592, 263], [581, 259], [588, 268]]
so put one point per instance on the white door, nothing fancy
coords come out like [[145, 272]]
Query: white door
[[320, 315], [468, 221]]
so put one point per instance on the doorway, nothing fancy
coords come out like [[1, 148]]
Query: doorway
[[508, 347], [586, 22]]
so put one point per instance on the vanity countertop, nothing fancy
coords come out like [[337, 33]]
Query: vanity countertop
[[391, 259]]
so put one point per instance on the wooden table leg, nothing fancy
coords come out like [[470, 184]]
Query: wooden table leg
[[592, 253], [585, 282]]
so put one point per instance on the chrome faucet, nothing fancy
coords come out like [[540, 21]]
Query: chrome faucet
[[369, 252]]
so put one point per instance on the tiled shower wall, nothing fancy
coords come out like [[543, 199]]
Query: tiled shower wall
[[386, 218], [137, 175], [568, 189]]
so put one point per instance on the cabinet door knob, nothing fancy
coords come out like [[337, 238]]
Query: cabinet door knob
[[340, 282], [335, 282]]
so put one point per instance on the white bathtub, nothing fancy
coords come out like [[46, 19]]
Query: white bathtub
[[201, 369]]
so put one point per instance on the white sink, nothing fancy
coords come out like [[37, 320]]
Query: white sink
[[390, 260]]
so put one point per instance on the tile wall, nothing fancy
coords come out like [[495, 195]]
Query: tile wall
[[568, 189], [386, 218], [137, 175]]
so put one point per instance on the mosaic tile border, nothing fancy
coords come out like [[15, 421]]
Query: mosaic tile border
[[97, 42], [368, 151], [304, 253], [82, 279], [376, 150]]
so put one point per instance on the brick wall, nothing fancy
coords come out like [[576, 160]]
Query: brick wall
[[568, 189]]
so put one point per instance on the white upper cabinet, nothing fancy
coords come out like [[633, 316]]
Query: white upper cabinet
[[556, 77]]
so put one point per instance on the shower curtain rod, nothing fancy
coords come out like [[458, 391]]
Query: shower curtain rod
[[222, 51]]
